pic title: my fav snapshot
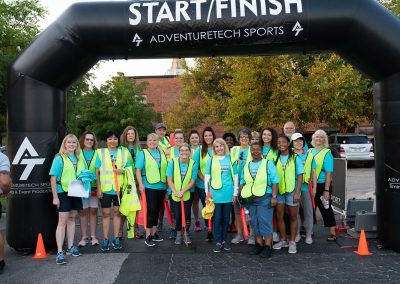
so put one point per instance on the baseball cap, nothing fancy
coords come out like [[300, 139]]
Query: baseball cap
[[296, 136], [160, 125]]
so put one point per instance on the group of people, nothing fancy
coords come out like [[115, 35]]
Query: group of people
[[269, 175]]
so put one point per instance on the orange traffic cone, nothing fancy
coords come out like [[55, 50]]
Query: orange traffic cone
[[363, 245], [40, 250]]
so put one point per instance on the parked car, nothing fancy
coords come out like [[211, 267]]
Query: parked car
[[353, 147]]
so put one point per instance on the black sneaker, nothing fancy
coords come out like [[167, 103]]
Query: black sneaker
[[149, 242], [257, 249], [157, 238], [226, 245], [218, 247], [2, 264], [210, 237], [266, 252]]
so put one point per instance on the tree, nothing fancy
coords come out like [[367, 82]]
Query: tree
[[116, 104], [18, 26]]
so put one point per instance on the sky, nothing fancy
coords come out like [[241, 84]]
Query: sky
[[110, 68]]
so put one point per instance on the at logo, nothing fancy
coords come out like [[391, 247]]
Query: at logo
[[297, 28], [30, 162], [137, 39]]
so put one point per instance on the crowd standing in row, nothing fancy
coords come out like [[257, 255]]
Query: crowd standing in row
[[266, 175]]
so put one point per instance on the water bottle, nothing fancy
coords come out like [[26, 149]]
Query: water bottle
[[325, 202]]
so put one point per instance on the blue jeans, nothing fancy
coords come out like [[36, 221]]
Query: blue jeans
[[221, 221]]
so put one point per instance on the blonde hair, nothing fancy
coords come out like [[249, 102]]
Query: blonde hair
[[323, 133], [184, 144], [63, 150], [220, 141], [155, 137], [124, 141]]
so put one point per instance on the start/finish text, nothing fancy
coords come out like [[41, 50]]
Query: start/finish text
[[175, 11]]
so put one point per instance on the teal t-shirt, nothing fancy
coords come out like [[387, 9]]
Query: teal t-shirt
[[196, 158], [327, 166], [225, 194], [183, 170], [113, 156], [272, 174], [134, 152], [140, 165], [303, 157], [242, 160], [57, 168]]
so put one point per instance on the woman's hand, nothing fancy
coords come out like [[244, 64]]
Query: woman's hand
[[234, 200], [274, 201], [56, 202], [326, 195], [119, 171], [141, 187], [296, 197]]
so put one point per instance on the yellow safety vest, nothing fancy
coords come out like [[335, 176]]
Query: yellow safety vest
[[153, 173], [130, 199], [69, 173], [216, 173], [180, 181], [308, 167], [164, 143], [203, 161], [271, 155], [89, 166], [172, 153], [319, 159], [107, 182], [287, 175], [235, 155], [255, 186]]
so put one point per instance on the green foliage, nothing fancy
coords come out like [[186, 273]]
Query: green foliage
[[18, 26], [116, 104]]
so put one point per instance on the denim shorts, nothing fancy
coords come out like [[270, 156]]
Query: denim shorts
[[261, 214], [287, 199]]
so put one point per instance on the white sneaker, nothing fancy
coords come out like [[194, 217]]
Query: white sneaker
[[275, 237], [237, 239], [298, 238], [309, 240], [251, 241], [281, 244], [292, 247]]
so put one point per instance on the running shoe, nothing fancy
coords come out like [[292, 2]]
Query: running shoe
[[251, 241], [218, 247], [178, 240], [197, 227], [149, 241], [292, 247], [298, 238], [257, 249], [275, 237], [281, 244], [105, 245], [116, 243], [209, 237], [157, 238], [309, 240], [187, 239], [172, 234], [84, 241], [60, 258], [73, 250], [94, 241], [266, 252], [237, 239], [226, 245]]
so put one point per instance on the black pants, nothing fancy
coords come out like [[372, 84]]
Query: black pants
[[155, 199], [176, 207], [327, 214]]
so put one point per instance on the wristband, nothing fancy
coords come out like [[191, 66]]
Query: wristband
[[274, 196], [327, 190]]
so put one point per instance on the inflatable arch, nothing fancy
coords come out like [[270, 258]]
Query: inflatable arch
[[361, 31]]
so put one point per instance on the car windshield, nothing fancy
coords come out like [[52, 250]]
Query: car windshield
[[353, 140]]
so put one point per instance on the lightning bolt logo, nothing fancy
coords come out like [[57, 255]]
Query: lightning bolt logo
[[137, 40], [297, 28]]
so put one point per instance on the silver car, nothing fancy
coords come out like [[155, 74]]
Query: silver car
[[353, 147]]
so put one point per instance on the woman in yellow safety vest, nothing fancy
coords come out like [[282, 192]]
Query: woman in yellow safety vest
[[181, 177], [269, 140], [201, 156], [239, 156], [258, 184], [65, 168], [194, 143], [110, 165], [88, 144], [221, 180], [324, 160], [308, 188], [163, 140], [290, 170], [151, 167]]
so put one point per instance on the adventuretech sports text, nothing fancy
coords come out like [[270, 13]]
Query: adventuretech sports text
[[218, 34], [176, 11]]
